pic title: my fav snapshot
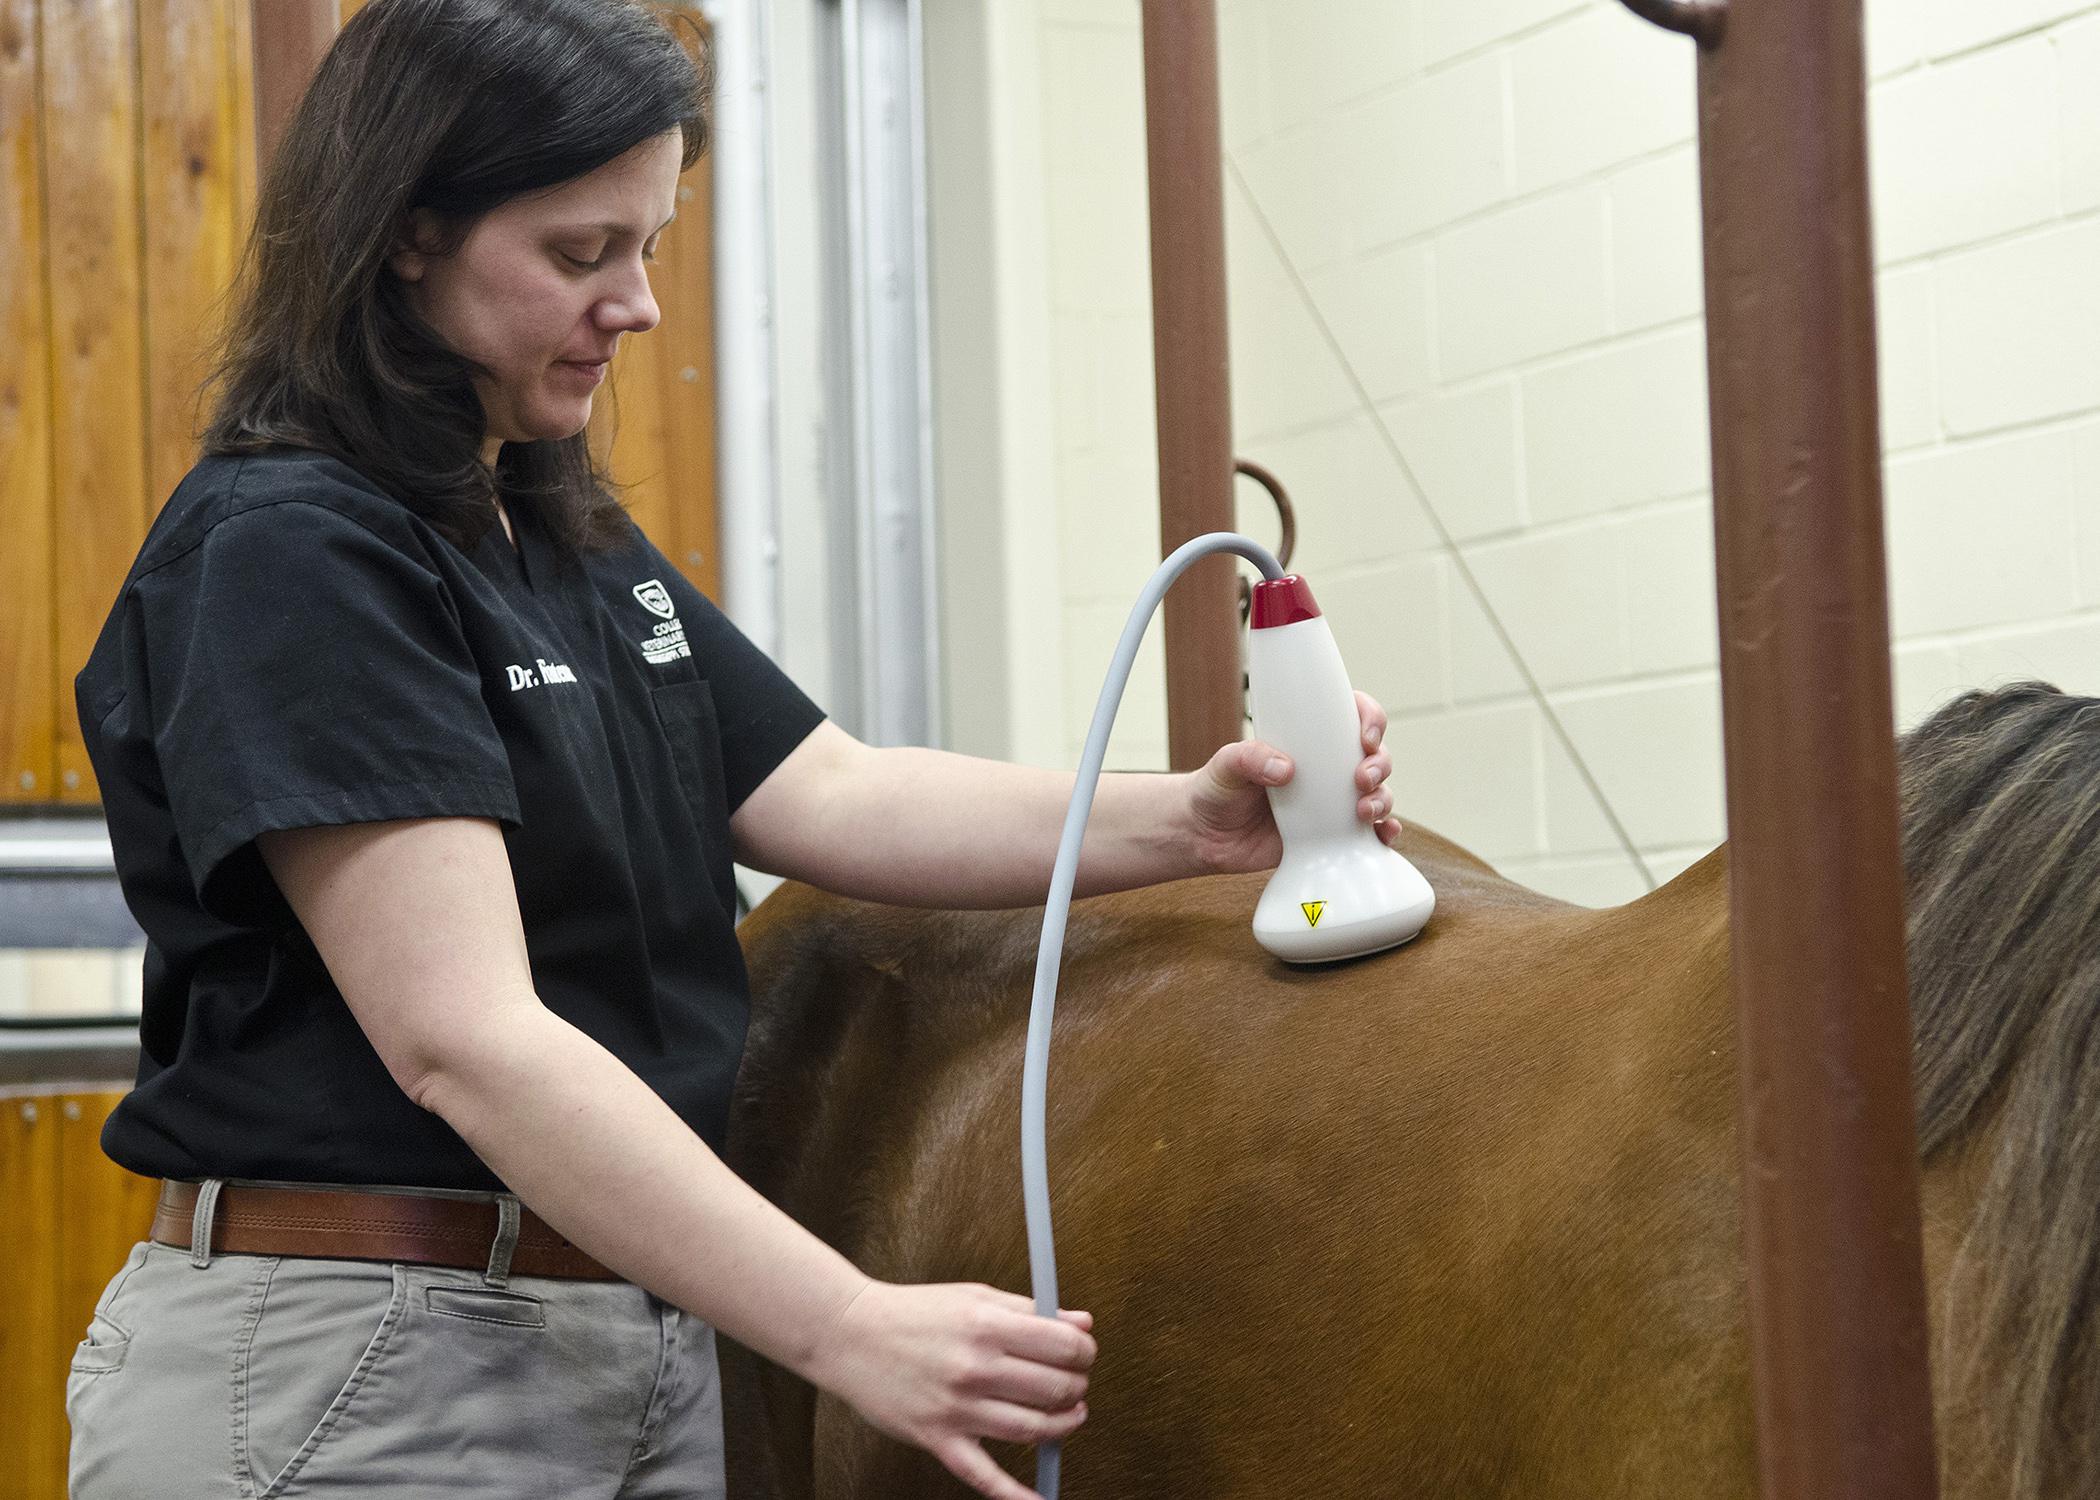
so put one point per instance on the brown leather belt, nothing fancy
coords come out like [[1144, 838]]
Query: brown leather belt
[[361, 1224]]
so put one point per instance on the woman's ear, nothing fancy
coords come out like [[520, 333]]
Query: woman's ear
[[408, 259]]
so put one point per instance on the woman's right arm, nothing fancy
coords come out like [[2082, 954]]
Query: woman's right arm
[[418, 923]]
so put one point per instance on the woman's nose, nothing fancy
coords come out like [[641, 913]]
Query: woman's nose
[[632, 308]]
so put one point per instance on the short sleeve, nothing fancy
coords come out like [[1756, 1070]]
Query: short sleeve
[[301, 670], [761, 714]]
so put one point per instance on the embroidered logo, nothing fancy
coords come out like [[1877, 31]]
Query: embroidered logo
[[666, 643], [656, 599]]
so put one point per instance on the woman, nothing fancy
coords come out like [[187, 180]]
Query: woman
[[424, 771]]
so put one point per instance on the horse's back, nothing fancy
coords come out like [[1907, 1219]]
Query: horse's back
[[1456, 1219]]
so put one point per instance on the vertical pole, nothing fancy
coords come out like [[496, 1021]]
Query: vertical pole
[[290, 37], [1830, 1164], [1192, 371]]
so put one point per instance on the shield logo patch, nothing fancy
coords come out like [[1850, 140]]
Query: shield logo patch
[[655, 598]]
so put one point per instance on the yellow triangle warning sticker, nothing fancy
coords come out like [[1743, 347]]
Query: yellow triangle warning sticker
[[1312, 910]]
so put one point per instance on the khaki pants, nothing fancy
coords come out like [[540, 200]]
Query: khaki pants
[[248, 1377]]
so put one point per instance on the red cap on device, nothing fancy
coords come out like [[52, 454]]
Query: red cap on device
[[1285, 601]]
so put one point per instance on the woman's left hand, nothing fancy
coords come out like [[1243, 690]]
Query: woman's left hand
[[1229, 800]]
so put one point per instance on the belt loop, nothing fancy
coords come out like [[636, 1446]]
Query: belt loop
[[201, 1221], [507, 1218]]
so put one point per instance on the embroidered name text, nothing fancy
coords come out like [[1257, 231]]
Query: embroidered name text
[[549, 671]]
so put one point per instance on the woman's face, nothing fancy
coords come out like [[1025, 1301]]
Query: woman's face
[[542, 288]]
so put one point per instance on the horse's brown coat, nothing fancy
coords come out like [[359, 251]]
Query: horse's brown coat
[[1459, 1220]]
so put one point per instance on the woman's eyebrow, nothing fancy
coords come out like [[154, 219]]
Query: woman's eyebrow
[[613, 226]]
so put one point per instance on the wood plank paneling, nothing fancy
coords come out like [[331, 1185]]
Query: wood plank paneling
[[189, 170], [685, 374], [629, 410], [107, 1210], [90, 93], [660, 420], [291, 38], [686, 360], [241, 69], [28, 710], [34, 1348], [82, 1214]]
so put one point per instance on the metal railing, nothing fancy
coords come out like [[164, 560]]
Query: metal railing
[[1837, 1312]]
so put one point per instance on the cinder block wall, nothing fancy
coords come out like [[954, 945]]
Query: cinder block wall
[[1466, 314]]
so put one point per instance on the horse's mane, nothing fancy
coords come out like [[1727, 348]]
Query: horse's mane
[[2001, 849]]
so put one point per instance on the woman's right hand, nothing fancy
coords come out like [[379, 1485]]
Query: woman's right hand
[[946, 1366]]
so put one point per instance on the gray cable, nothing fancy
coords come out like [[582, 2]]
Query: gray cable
[[1035, 1171]]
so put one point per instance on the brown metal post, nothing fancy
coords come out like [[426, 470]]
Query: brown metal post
[[1192, 371], [1830, 1164], [290, 38]]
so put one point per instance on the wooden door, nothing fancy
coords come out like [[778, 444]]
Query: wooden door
[[657, 432], [77, 1216], [123, 190], [28, 708]]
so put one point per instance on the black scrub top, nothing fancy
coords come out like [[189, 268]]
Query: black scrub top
[[295, 648]]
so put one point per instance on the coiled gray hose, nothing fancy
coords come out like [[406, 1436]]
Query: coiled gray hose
[[1035, 1171]]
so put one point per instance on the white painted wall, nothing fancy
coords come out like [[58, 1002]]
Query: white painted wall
[[994, 484], [1466, 323], [803, 347]]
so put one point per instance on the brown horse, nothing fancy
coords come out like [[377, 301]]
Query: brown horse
[[1459, 1220]]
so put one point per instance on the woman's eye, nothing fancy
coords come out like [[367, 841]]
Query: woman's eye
[[648, 256]]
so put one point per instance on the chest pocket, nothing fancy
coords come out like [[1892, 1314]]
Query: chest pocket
[[686, 711]]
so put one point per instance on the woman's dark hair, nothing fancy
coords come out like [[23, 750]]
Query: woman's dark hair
[[454, 106]]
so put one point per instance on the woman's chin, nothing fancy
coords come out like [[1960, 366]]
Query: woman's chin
[[553, 426]]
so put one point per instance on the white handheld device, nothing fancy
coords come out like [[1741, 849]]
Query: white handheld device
[[1338, 892]]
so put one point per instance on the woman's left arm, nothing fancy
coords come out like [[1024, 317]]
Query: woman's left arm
[[929, 828]]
